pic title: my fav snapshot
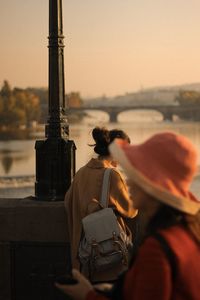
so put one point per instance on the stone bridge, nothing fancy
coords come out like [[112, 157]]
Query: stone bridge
[[191, 112]]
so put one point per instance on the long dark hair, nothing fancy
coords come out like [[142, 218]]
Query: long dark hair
[[168, 216], [103, 137]]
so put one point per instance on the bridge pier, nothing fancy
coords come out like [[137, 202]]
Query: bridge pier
[[168, 116], [113, 117]]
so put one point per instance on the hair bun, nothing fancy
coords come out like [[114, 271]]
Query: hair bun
[[101, 135], [102, 139]]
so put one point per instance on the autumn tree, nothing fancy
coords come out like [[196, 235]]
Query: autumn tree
[[42, 94], [17, 106], [29, 103], [74, 99], [188, 98]]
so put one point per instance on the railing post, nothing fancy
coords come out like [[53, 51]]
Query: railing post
[[55, 156]]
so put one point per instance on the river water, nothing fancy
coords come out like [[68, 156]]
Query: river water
[[17, 158]]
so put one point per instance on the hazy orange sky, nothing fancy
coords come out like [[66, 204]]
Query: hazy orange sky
[[111, 46]]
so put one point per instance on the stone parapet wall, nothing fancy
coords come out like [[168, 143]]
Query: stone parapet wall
[[31, 220], [32, 234]]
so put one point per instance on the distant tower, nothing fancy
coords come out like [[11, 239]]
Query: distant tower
[[55, 156], [141, 88]]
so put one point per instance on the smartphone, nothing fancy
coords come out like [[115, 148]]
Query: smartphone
[[66, 279]]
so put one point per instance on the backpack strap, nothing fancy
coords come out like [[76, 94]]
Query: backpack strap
[[168, 252], [105, 188]]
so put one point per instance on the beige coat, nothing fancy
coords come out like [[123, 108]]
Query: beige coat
[[81, 196]]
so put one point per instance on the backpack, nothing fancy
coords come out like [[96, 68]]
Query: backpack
[[104, 244]]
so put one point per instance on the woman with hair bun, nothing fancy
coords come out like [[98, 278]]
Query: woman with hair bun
[[84, 194]]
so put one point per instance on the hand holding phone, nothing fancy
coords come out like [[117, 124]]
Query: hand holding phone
[[74, 285]]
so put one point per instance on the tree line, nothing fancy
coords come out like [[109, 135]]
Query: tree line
[[20, 107]]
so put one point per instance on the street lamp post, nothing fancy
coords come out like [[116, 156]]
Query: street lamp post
[[55, 156]]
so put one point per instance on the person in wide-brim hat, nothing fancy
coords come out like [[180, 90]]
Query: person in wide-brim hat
[[166, 264], [163, 166]]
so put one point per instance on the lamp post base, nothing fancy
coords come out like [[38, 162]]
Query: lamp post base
[[55, 168]]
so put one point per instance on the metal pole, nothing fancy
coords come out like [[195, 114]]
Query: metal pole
[[55, 156], [56, 71]]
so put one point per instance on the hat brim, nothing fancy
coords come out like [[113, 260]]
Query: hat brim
[[181, 203]]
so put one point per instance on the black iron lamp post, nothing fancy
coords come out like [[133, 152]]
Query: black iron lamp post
[[55, 156]]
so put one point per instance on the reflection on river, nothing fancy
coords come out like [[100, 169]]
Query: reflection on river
[[17, 158]]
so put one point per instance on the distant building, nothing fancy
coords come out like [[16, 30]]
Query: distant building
[[74, 100]]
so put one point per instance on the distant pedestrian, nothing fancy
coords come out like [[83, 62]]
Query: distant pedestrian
[[167, 263], [84, 194]]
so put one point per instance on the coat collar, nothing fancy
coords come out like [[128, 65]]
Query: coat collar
[[96, 163]]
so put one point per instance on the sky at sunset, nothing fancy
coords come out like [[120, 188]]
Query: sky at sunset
[[111, 46]]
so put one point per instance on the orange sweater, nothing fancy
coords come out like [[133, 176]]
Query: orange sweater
[[150, 276]]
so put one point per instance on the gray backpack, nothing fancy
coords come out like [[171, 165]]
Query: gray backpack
[[104, 244]]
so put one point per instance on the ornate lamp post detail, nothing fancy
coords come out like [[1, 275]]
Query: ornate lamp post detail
[[55, 156]]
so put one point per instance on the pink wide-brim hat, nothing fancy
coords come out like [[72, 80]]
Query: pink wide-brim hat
[[163, 166]]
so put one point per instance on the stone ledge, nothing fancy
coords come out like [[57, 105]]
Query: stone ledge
[[32, 220]]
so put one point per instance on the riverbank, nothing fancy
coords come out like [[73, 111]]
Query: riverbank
[[23, 186], [38, 131], [15, 134]]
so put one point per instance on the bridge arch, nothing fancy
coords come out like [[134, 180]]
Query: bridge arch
[[140, 114], [101, 115]]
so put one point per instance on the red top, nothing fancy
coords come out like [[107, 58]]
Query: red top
[[150, 276]]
